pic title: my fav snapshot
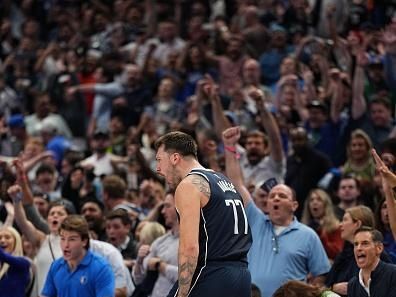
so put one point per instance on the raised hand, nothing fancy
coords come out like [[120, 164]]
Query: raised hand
[[15, 192], [210, 88], [362, 59], [142, 253], [20, 171], [231, 136], [387, 176]]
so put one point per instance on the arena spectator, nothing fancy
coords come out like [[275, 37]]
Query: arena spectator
[[15, 272], [305, 166], [100, 160], [344, 267], [75, 248], [348, 193], [162, 256], [118, 226], [87, 67], [375, 277], [273, 233], [319, 215]]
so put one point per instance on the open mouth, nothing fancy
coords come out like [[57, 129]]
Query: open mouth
[[361, 258], [66, 253], [276, 207]]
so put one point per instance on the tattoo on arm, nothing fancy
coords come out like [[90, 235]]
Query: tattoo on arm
[[202, 184], [187, 265]]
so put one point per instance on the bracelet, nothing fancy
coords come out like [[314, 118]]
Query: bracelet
[[232, 149], [18, 197]]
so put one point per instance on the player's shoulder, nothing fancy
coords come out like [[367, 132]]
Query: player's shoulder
[[197, 181]]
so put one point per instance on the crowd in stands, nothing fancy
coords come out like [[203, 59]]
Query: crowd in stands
[[291, 99]]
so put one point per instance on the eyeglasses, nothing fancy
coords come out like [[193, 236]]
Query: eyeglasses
[[275, 244]]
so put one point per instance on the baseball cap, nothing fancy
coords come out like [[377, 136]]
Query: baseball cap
[[268, 184], [277, 28], [16, 121], [101, 133]]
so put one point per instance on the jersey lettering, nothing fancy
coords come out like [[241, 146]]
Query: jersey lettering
[[226, 186]]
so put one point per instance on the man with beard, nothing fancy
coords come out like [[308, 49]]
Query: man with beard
[[305, 167], [263, 158], [92, 211], [283, 248], [230, 65], [100, 160], [214, 235]]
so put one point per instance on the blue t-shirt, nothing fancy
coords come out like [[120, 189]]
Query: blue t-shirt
[[291, 255], [92, 277]]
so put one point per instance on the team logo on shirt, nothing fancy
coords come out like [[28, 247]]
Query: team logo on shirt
[[226, 186], [83, 280]]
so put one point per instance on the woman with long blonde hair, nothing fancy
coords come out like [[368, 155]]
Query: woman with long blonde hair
[[14, 268], [319, 214]]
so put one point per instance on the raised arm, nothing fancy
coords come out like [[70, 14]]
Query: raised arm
[[388, 180], [211, 90], [84, 88], [389, 38], [233, 169], [32, 234], [188, 203], [359, 105], [10, 214], [270, 126], [309, 85], [30, 163], [27, 198], [337, 99], [18, 262]]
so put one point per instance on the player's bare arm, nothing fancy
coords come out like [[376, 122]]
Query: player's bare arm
[[188, 198]]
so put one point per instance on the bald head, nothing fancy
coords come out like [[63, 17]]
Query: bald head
[[299, 139]]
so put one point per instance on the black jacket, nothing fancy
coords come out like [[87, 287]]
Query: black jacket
[[383, 282], [345, 268]]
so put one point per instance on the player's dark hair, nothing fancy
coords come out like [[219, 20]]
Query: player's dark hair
[[178, 142]]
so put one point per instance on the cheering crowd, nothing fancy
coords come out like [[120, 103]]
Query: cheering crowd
[[293, 100]]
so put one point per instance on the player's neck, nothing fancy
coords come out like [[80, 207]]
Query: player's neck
[[190, 165]]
